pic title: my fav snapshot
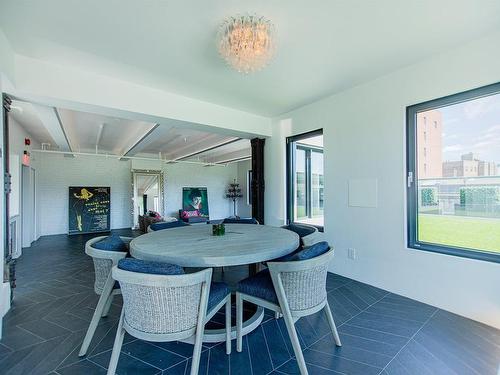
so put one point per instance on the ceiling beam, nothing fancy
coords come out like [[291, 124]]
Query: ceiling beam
[[210, 148], [99, 136], [52, 122], [139, 141], [234, 160]]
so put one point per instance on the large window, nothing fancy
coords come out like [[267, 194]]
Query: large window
[[453, 162], [305, 187]]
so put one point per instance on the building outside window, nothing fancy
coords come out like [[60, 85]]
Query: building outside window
[[454, 174], [305, 179]]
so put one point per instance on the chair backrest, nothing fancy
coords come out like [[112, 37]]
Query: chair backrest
[[301, 229], [166, 225], [242, 220], [301, 284], [163, 307], [103, 260]]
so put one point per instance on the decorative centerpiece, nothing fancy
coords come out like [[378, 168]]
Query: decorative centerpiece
[[234, 193], [218, 229]]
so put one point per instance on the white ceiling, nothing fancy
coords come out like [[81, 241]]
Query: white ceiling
[[322, 46], [91, 133], [26, 115]]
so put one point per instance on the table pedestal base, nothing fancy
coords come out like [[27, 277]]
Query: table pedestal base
[[219, 335]]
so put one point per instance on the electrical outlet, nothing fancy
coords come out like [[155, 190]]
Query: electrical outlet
[[351, 253]]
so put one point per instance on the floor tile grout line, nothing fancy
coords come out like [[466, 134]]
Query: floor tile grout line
[[80, 359], [60, 326], [95, 363], [488, 341], [134, 357], [353, 292], [411, 338], [361, 311], [395, 317], [283, 337], [208, 361], [358, 348], [267, 347], [352, 303], [248, 351], [340, 325], [375, 330], [169, 351], [311, 364], [466, 364], [432, 354], [370, 339], [345, 358]]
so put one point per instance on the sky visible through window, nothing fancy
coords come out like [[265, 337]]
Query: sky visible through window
[[473, 126]]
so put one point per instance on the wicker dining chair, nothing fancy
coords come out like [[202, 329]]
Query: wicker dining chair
[[104, 285], [164, 308], [294, 289]]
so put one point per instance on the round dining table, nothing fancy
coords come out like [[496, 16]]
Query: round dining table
[[196, 246]]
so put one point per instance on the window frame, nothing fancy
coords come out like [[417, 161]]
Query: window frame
[[412, 175], [291, 147]]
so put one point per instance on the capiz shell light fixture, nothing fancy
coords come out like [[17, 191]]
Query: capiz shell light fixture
[[246, 42]]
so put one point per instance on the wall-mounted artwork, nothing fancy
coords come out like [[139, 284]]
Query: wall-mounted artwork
[[195, 199], [89, 209]]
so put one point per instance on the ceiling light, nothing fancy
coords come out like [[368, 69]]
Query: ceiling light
[[246, 42]]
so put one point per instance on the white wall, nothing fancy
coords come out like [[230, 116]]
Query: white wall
[[17, 134], [215, 179], [244, 209], [56, 173], [67, 87], [364, 138]]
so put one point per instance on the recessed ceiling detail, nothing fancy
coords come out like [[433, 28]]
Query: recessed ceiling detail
[[64, 130]]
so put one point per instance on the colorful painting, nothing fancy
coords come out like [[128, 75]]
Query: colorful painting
[[195, 199], [89, 209]]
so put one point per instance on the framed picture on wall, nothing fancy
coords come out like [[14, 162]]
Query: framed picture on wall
[[195, 199], [89, 209]]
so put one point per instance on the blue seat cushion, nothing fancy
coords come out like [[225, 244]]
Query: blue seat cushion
[[218, 291], [310, 252], [301, 229], [149, 267], [171, 224], [111, 243], [259, 285], [247, 220], [288, 257]]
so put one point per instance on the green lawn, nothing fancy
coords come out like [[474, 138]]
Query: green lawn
[[468, 232]]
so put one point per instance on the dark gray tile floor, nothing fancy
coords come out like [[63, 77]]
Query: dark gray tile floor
[[382, 333]]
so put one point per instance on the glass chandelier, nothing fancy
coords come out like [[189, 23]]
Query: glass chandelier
[[246, 42]]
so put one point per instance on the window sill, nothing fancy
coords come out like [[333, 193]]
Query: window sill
[[456, 251]]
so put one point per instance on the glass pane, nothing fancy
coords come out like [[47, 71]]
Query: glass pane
[[317, 185], [458, 156], [309, 179], [300, 185]]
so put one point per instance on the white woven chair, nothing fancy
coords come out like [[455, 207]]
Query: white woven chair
[[103, 260], [167, 308], [300, 290]]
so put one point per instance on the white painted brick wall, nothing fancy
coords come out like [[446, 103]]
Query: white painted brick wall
[[216, 179], [56, 173]]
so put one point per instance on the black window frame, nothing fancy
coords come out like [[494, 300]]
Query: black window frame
[[412, 175], [291, 148]]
